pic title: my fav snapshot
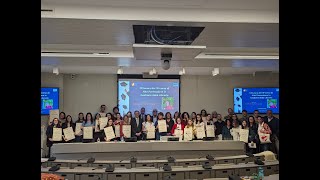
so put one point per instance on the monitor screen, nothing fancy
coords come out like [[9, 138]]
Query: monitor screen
[[49, 100], [160, 94], [261, 99]]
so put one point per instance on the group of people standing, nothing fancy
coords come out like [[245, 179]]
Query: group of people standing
[[226, 128]]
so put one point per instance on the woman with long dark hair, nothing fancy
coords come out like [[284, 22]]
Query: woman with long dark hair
[[80, 120], [49, 132], [88, 122], [68, 123]]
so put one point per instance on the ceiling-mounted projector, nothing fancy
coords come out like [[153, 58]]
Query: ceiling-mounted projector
[[165, 60]]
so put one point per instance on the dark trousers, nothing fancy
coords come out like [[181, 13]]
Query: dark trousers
[[78, 139], [264, 147]]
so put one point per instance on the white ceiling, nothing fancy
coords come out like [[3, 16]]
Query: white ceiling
[[231, 36]]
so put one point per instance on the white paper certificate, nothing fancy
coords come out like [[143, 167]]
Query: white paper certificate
[[187, 134], [162, 125], [53, 114], [244, 135], [178, 132], [235, 132], [150, 132], [103, 122], [126, 129], [108, 131], [87, 132], [78, 128], [68, 133], [200, 132], [210, 131], [117, 130], [57, 134]]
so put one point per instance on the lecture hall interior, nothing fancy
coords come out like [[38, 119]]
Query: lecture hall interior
[[160, 89]]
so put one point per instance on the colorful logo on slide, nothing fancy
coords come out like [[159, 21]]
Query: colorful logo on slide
[[167, 103], [47, 104], [272, 103]]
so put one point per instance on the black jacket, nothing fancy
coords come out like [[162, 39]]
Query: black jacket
[[219, 126], [134, 127], [49, 134]]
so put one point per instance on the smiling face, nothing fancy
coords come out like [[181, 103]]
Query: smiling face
[[244, 123], [110, 122], [198, 117], [178, 120], [69, 119], [251, 119], [55, 121], [148, 118]]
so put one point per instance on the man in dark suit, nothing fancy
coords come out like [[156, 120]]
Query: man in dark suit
[[136, 126], [143, 116]]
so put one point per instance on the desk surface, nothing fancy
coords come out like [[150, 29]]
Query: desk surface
[[146, 161], [90, 170], [142, 146]]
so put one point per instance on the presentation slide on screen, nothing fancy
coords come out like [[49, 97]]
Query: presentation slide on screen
[[251, 99], [160, 94], [49, 99]]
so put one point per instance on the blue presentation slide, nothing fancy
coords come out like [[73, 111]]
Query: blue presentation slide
[[160, 94], [49, 100], [251, 99]]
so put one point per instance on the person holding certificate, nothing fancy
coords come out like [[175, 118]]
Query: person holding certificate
[[235, 130], [110, 124], [78, 132], [98, 132], [148, 125], [193, 128], [88, 122], [124, 122], [169, 122], [159, 131], [226, 134], [177, 126], [68, 123], [54, 124], [200, 126]]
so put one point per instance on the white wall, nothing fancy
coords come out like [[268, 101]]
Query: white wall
[[87, 92]]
